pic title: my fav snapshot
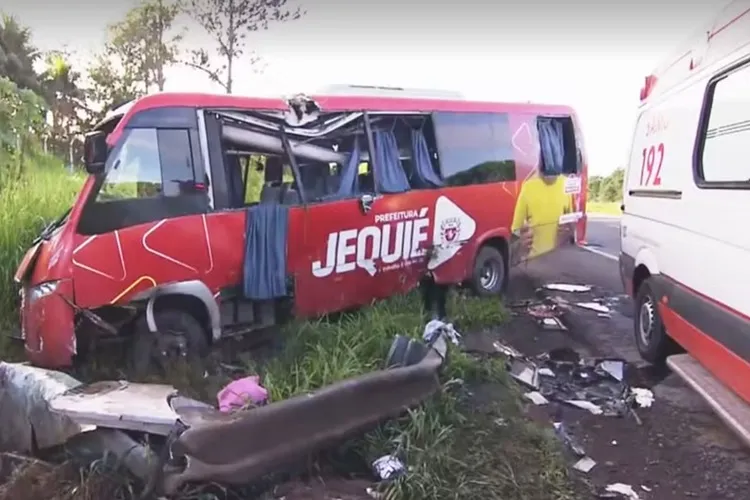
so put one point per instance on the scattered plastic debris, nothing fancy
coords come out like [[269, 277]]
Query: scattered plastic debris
[[435, 328], [552, 324], [594, 306], [564, 287], [525, 372], [594, 384], [501, 422], [536, 398], [242, 393], [546, 372], [388, 467], [506, 350], [585, 405], [604, 315], [614, 367], [541, 311], [566, 438], [584, 465], [644, 398], [625, 490]]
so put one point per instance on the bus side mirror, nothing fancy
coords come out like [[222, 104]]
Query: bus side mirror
[[95, 152]]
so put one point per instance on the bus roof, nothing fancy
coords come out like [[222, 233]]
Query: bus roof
[[332, 103], [725, 33]]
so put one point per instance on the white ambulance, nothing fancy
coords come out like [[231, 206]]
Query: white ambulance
[[685, 254]]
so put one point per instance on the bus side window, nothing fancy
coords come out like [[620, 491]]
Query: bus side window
[[558, 149], [474, 148]]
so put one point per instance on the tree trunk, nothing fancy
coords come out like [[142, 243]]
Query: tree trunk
[[230, 56]]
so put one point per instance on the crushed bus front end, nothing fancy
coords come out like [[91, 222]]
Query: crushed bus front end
[[47, 312]]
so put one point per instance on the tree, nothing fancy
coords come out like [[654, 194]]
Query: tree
[[143, 44], [228, 22], [21, 122], [17, 54], [132, 64], [66, 102]]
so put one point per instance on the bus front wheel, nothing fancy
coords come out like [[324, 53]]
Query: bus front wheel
[[180, 338]]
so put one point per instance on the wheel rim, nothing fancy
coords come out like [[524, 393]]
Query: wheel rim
[[489, 276], [646, 321], [170, 345]]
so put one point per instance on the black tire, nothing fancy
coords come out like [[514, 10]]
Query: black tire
[[654, 345], [489, 260], [145, 352], [397, 353]]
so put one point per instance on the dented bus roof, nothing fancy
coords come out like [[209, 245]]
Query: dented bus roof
[[339, 101], [726, 33]]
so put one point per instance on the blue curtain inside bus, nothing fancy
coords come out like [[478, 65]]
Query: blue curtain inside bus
[[424, 172], [389, 174], [264, 273], [552, 148], [350, 175]]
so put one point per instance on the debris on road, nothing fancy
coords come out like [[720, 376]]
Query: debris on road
[[536, 398], [584, 465], [643, 397], [619, 490], [594, 306], [564, 287]]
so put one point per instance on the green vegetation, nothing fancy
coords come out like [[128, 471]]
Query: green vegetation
[[470, 441], [604, 208], [606, 188], [26, 206]]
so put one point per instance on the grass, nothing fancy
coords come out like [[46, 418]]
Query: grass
[[604, 207], [453, 445], [469, 441], [26, 206]]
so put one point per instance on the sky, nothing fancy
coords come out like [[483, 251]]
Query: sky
[[589, 54]]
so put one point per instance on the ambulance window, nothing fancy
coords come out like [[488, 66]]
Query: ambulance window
[[726, 136], [474, 148], [558, 151]]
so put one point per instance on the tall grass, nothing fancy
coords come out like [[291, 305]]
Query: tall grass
[[26, 205]]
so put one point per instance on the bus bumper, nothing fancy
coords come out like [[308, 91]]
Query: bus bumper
[[48, 323]]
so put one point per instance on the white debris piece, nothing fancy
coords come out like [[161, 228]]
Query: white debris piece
[[593, 306], [584, 465], [506, 350], [564, 287], [546, 372], [536, 398], [623, 489], [585, 405], [388, 467], [643, 397], [615, 368]]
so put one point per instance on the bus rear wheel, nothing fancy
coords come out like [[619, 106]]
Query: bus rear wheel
[[654, 345], [180, 338], [488, 277]]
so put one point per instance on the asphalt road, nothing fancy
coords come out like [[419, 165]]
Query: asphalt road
[[603, 235], [681, 450]]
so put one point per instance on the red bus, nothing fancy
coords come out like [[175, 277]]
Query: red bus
[[208, 215]]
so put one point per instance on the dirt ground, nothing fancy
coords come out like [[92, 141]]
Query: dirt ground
[[681, 451]]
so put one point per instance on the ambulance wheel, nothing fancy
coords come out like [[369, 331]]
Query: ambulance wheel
[[488, 278], [180, 337], [654, 345]]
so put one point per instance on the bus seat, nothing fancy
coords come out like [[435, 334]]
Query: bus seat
[[271, 193]]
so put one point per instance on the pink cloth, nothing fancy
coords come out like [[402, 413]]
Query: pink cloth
[[239, 393]]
